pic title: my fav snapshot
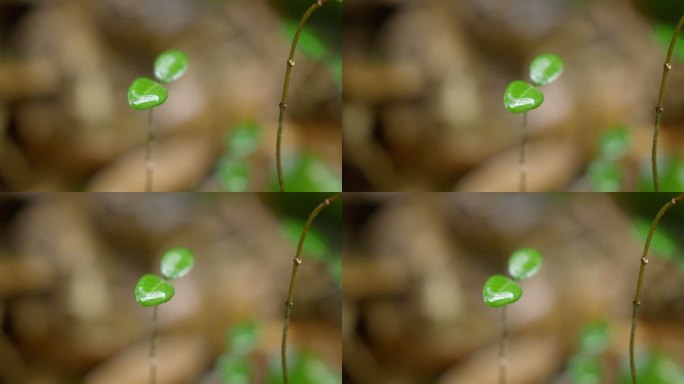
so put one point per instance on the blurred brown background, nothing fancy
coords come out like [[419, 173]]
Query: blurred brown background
[[424, 82], [69, 264], [414, 266], [65, 67]]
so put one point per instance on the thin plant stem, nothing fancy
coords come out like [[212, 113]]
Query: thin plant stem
[[523, 156], [642, 271], [286, 87], [149, 152], [661, 101], [293, 278], [153, 346], [503, 362]]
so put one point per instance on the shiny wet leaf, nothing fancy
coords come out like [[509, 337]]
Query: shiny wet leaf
[[152, 290], [546, 68], [520, 97], [499, 291], [170, 65], [145, 93], [524, 263], [177, 262]]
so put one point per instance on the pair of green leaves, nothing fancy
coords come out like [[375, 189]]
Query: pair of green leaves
[[145, 93], [500, 290], [152, 290], [521, 96]]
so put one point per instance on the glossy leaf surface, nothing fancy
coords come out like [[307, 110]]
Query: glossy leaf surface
[[499, 290], [177, 262], [170, 65], [546, 68], [524, 263], [145, 93], [520, 97], [152, 290]]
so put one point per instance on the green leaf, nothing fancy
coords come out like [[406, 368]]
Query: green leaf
[[546, 68], [524, 263], [145, 93], [170, 65], [234, 369], [243, 140], [500, 290], [314, 244], [152, 290], [307, 173], [520, 96], [233, 174], [309, 43], [594, 338], [243, 337], [177, 262], [584, 369], [604, 176], [614, 143]]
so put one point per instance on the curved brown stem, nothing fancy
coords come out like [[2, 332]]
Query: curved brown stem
[[661, 100], [286, 87], [295, 267], [642, 271]]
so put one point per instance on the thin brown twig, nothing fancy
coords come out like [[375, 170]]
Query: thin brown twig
[[503, 362], [153, 346], [149, 152], [286, 87], [642, 271], [523, 156], [295, 267], [661, 100]]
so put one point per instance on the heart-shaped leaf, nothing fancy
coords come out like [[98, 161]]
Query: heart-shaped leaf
[[170, 65], [524, 263], [546, 68], [500, 290], [177, 262], [152, 290], [520, 96], [145, 93]]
